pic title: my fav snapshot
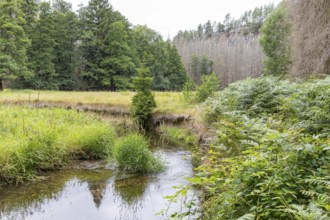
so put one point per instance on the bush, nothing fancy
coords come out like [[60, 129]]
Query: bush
[[143, 102], [188, 91], [132, 155], [271, 155], [274, 40], [210, 84]]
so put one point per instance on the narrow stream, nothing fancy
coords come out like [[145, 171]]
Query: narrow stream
[[98, 193]]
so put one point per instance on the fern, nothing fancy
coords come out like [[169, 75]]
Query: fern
[[311, 212]]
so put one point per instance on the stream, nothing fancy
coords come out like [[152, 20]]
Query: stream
[[90, 190]]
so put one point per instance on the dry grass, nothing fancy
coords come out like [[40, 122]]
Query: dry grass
[[167, 102]]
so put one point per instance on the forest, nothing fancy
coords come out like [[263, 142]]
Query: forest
[[49, 47], [106, 120]]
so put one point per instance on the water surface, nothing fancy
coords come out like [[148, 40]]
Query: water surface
[[98, 193]]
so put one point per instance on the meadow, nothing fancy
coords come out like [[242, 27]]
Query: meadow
[[167, 102]]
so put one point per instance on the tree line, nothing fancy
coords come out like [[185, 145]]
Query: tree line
[[249, 22], [230, 48], [48, 46]]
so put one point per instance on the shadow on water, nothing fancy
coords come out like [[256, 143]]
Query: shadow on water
[[98, 193]]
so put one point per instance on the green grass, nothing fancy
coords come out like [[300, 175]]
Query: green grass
[[133, 155], [179, 134], [36, 140], [167, 102]]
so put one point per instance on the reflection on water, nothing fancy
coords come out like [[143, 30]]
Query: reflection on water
[[98, 193]]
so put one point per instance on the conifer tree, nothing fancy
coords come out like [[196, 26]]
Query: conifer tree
[[176, 73], [106, 47], [13, 42], [143, 102], [66, 34], [42, 50]]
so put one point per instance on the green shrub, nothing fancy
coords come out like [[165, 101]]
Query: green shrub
[[271, 155], [133, 155], [210, 84], [143, 102], [188, 91], [274, 40]]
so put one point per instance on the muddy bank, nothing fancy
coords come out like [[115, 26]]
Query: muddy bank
[[105, 110]]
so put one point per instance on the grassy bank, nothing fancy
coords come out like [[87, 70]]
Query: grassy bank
[[36, 140], [270, 158], [167, 102]]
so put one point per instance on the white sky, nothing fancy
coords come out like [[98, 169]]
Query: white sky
[[169, 16]]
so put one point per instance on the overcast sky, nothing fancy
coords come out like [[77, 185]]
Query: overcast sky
[[169, 16]]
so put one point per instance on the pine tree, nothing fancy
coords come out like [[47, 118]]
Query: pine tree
[[106, 47], [66, 33], [42, 50], [13, 42], [143, 102], [176, 71]]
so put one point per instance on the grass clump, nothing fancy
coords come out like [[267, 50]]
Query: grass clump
[[93, 141], [36, 140], [180, 134], [133, 155]]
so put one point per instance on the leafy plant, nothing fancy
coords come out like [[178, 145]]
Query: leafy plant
[[270, 157], [210, 84]]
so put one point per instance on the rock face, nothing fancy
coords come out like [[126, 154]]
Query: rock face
[[235, 55]]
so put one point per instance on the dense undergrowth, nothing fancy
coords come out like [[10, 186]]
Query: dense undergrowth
[[271, 156]]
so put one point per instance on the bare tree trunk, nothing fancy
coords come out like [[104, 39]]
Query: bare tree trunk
[[1, 85]]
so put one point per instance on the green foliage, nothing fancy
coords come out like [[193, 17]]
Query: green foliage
[[210, 84], [162, 59], [270, 158], [13, 42], [274, 41], [143, 102], [200, 66], [176, 72], [180, 134], [188, 91], [106, 46], [133, 155], [35, 140], [56, 49], [94, 141], [41, 54]]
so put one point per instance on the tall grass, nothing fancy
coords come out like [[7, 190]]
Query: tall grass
[[133, 155], [35, 140]]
